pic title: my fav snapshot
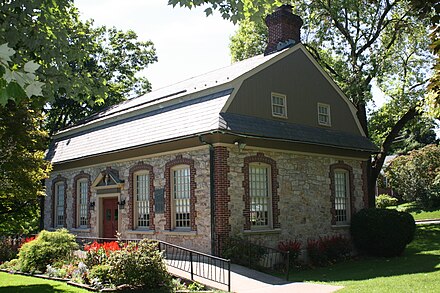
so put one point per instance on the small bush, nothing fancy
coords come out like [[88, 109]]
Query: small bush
[[328, 250], [242, 252], [47, 248], [13, 265], [293, 247], [382, 232], [384, 200], [139, 265], [101, 273]]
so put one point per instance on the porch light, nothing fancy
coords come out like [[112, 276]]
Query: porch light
[[121, 203]]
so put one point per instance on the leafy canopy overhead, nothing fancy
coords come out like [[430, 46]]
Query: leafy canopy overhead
[[54, 70], [83, 68]]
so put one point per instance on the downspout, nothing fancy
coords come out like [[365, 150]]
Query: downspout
[[212, 191]]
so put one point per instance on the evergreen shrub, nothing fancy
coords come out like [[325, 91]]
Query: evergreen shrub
[[46, 249], [382, 232]]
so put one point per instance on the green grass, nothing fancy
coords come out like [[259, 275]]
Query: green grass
[[417, 212], [26, 284], [418, 270]]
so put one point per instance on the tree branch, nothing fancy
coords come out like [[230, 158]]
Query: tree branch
[[379, 159]]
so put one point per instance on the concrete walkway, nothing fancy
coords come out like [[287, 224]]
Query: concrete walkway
[[247, 280], [434, 221]]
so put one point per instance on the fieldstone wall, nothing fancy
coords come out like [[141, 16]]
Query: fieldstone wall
[[198, 240], [304, 196]]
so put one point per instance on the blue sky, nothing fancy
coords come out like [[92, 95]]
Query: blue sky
[[187, 42]]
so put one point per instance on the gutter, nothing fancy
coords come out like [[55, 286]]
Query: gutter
[[211, 191]]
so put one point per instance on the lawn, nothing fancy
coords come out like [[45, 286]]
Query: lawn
[[25, 284], [418, 213], [418, 270]]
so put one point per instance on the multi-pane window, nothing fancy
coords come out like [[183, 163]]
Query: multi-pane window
[[279, 105], [83, 191], [324, 114], [59, 204], [142, 204], [181, 193], [260, 195], [342, 198]]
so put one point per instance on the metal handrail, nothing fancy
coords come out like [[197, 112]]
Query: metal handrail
[[196, 263]]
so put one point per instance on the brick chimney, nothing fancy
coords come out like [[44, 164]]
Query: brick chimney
[[283, 29]]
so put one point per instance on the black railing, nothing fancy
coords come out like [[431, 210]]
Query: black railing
[[206, 266], [258, 257], [195, 263]]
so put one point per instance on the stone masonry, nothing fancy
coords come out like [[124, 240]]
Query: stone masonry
[[303, 200]]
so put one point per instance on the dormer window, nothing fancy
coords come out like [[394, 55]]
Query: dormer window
[[324, 114], [279, 105]]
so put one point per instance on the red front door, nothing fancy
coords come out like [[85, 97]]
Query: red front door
[[110, 217]]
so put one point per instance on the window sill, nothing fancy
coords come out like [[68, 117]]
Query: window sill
[[144, 232], [263, 231], [81, 230], [341, 226], [180, 233]]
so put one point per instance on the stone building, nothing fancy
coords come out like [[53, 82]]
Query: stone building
[[268, 148]]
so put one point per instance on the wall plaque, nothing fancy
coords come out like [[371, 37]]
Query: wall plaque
[[159, 200]]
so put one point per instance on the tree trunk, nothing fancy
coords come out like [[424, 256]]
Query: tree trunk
[[376, 165]]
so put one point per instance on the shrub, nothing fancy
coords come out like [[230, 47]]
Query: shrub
[[382, 232], [101, 273], [139, 265], [13, 265], [47, 248], [328, 250], [291, 246], [242, 252], [384, 200]]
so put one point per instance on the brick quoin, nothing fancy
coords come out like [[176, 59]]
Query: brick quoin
[[75, 194], [260, 158], [59, 178], [364, 167], [222, 214], [179, 160], [140, 166], [341, 165]]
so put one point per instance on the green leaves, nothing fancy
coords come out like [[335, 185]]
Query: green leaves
[[15, 84], [6, 53]]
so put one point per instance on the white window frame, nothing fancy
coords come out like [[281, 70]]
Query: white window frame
[[328, 121], [282, 106], [136, 219], [82, 206], [257, 187], [186, 201], [58, 206], [342, 201]]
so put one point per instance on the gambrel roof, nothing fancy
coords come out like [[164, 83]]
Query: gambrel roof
[[190, 108]]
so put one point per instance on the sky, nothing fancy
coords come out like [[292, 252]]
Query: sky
[[187, 42]]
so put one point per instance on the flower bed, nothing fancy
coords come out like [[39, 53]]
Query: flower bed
[[100, 266]]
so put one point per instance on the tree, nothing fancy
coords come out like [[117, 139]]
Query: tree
[[83, 68], [416, 134], [54, 71], [22, 167], [416, 176], [356, 42], [116, 59]]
